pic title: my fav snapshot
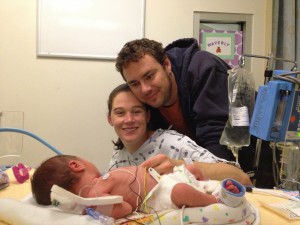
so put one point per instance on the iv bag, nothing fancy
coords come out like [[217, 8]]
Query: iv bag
[[241, 94]]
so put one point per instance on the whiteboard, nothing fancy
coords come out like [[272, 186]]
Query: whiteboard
[[88, 28]]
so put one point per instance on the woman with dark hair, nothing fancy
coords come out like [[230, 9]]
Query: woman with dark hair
[[139, 145]]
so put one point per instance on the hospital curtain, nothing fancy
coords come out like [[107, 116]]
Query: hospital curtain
[[286, 32]]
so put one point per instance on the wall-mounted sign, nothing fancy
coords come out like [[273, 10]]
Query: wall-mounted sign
[[228, 45]]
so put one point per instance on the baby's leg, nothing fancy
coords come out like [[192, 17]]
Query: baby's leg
[[184, 194]]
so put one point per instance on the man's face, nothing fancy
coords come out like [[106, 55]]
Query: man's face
[[150, 81]]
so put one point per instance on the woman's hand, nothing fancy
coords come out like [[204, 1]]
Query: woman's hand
[[161, 163]]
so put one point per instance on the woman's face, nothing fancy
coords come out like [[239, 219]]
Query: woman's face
[[129, 118]]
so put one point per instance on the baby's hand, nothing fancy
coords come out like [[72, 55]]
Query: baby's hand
[[231, 187]]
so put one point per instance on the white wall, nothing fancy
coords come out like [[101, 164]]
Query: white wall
[[64, 100]]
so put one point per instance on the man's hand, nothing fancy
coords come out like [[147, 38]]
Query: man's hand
[[161, 163]]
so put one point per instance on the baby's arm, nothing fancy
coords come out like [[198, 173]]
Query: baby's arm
[[121, 210], [116, 211]]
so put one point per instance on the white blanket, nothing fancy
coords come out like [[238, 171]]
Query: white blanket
[[16, 212], [27, 212]]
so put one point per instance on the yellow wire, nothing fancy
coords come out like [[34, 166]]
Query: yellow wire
[[145, 192]]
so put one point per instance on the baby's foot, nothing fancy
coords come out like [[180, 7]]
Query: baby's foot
[[230, 193], [231, 187]]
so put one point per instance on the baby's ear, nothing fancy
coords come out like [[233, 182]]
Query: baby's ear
[[76, 165]]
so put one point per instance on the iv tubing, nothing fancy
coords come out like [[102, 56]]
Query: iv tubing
[[272, 192], [7, 129]]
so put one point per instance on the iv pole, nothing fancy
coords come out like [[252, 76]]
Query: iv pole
[[268, 75]]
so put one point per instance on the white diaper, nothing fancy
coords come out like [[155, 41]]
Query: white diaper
[[159, 198]]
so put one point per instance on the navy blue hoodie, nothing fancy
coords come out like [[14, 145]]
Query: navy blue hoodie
[[202, 86]]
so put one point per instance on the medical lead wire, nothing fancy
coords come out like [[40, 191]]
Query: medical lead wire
[[103, 219], [17, 130]]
